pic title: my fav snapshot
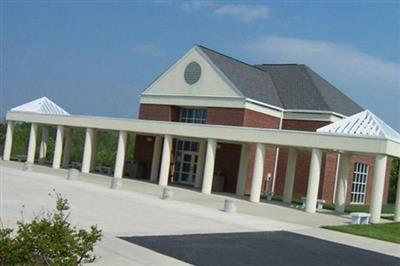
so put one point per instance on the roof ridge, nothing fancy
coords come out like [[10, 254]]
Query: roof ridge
[[275, 87], [277, 64], [230, 57], [337, 90], [304, 68]]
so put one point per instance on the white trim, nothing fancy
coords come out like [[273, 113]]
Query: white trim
[[325, 116], [263, 110], [199, 101], [273, 137], [359, 179], [314, 112], [169, 69], [264, 104], [216, 69]]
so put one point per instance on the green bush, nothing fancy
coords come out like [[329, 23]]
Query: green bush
[[49, 239]]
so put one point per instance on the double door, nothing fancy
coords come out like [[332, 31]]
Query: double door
[[186, 159]]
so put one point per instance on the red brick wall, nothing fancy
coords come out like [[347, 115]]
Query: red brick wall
[[225, 116], [256, 119], [227, 163], [144, 154], [303, 125], [158, 112], [328, 174]]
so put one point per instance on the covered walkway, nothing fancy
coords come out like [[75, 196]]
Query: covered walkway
[[380, 146]]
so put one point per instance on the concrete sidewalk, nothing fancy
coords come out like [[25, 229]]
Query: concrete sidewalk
[[138, 210]]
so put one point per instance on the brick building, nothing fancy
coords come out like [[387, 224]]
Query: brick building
[[207, 87]]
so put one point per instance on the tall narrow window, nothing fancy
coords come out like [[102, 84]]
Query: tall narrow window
[[359, 186]]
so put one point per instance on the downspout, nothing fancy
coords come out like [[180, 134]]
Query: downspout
[[276, 157]]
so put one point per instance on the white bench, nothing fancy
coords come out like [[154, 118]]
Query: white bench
[[360, 217], [320, 203]]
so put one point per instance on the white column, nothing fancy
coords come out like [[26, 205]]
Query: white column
[[290, 175], [344, 167], [165, 160], [93, 160], [200, 164], [258, 171], [58, 147], [313, 180], [397, 204], [209, 166], [378, 184], [67, 147], [43, 143], [87, 150], [120, 157], [242, 173], [9, 139], [32, 144], [155, 162]]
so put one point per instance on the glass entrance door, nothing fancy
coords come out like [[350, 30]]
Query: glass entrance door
[[186, 158]]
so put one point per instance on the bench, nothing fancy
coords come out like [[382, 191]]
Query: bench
[[360, 217], [320, 203]]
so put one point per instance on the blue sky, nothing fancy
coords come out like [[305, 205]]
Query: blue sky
[[96, 57]]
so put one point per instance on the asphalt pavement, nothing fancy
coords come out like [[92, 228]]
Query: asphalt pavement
[[260, 248]]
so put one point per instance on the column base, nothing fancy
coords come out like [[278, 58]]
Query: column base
[[116, 183], [27, 167], [73, 174]]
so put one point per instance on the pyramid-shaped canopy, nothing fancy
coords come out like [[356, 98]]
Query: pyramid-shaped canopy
[[364, 123], [41, 106]]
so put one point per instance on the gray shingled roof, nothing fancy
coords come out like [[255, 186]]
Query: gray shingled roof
[[288, 86]]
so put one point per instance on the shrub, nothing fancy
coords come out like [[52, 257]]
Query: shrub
[[49, 239]]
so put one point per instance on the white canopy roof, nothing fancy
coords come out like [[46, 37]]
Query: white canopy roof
[[41, 106], [363, 123]]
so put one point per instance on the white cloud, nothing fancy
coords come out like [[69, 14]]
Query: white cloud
[[148, 50], [371, 81], [244, 12]]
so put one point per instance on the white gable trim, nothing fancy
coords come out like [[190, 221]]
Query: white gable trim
[[364, 123], [169, 69], [207, 60], [221, 74], [41, 106]]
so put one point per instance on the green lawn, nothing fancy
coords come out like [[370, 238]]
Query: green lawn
[[387, 232]]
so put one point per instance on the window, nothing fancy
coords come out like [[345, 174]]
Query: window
[[193, 115], [359, 186]]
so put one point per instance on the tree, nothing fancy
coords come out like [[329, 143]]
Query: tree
[[394, 175], [3, 127], [49, 239]]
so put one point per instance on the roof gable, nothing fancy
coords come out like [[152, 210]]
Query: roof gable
[[212, 83], [252, 82], [41, 106], [364, 123]]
